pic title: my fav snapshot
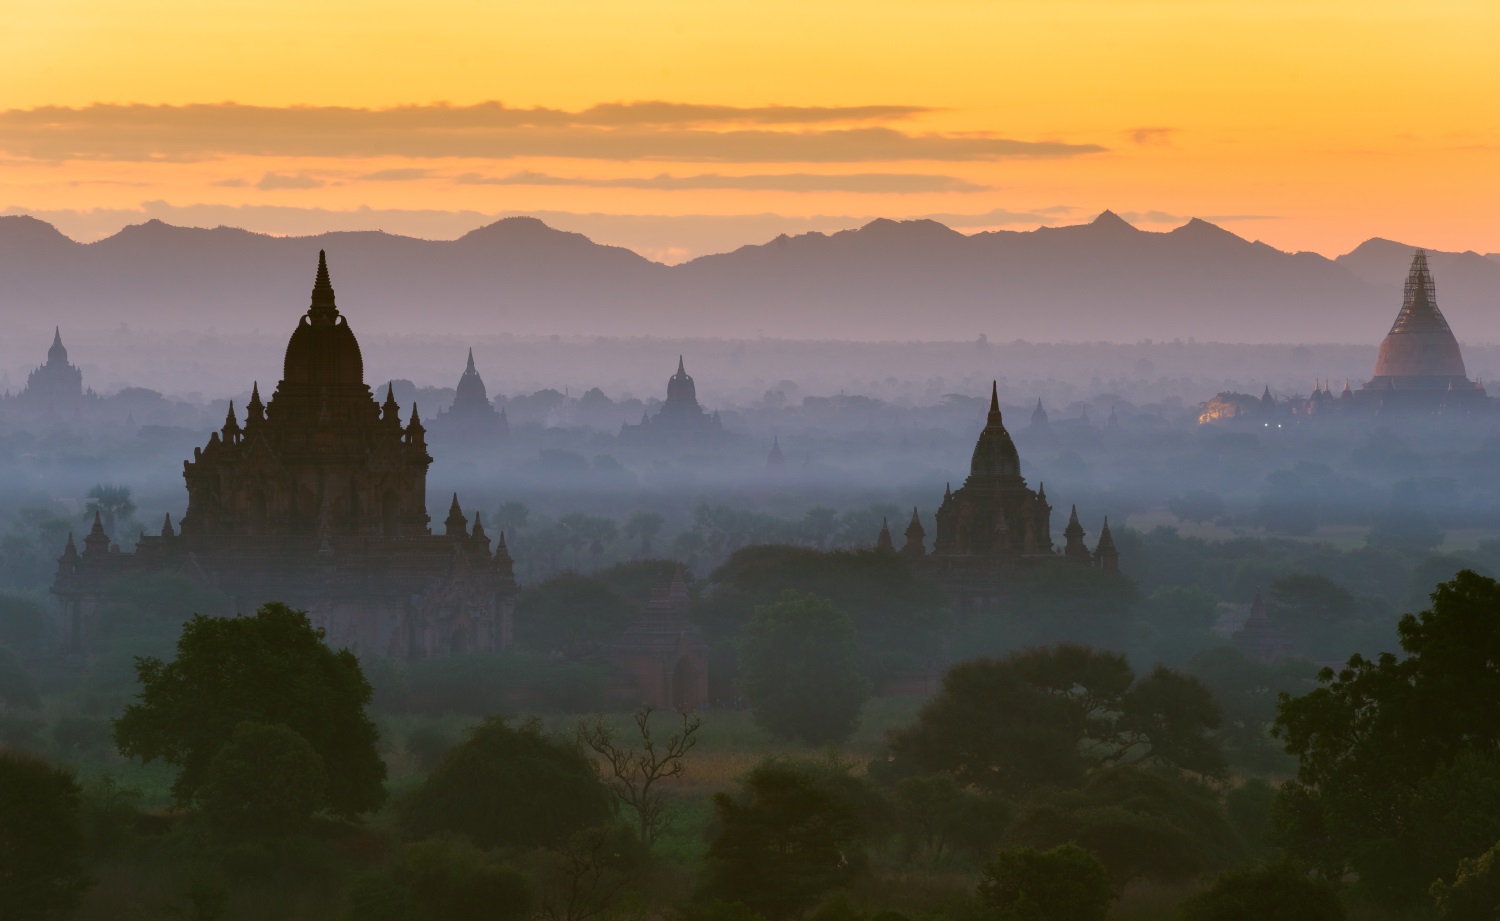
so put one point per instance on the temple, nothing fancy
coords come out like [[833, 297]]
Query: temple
[[319, 500], [472, 417], [680, 418], [993, 524], [56, 386], [1420, 366], [663, 654]]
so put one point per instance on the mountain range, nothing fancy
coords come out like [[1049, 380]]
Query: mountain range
[[888, 280]]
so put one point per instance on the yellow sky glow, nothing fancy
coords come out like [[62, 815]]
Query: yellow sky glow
[[1311, 125]]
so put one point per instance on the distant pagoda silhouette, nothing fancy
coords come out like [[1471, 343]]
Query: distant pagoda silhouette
[[680, 419], [1419, 365], [993, 524], [318, 500], [472, 417]]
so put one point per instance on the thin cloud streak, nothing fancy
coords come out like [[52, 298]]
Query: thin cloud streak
[[897, 183], [491, 131]]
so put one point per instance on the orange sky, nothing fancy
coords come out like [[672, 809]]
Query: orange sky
[[1310, 125]]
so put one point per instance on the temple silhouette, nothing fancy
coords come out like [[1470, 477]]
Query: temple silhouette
[[472, 417], [319, 500], [993, 524], [1420, 365], [55, 387], [680, 419]]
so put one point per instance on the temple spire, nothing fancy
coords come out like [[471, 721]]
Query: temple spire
[[323, 310], [470, 368], [680, 368], [994, 398]]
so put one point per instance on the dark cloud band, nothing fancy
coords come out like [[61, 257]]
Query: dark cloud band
[[618, 132]]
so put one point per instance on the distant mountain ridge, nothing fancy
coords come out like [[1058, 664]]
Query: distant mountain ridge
[[888, 280]]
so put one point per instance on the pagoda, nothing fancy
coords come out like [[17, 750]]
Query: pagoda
[[318, 499]]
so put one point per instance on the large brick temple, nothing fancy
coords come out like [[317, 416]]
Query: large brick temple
[[319, 500]]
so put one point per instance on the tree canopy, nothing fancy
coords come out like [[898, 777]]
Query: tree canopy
[[271, 668], [801, 670], [1045, 717], [1398, 775], [41, 843], [509, 786]]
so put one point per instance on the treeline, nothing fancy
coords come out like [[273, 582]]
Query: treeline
[[1052, 783]]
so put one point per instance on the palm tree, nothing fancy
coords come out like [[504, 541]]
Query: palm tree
[[110, 503], [645, 526]]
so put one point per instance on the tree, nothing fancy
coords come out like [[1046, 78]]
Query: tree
[[644, 526], [896, 611], [1391, 749], [270, 668], [1277, 892], [1137, 823], [266, 780], [801, 669], [40, 840], [636, 775], [792, 834], [1474, 893], [111, 503], [1197, 506], [570, 615], [16, 688], [1045, 717], [1064, 884], [509, 786], [442, 879]]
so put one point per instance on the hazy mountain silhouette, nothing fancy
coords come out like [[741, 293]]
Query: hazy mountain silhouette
[[1104, 280]]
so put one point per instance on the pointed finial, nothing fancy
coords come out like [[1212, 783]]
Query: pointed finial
[[416, 418], [323, 310], [57, 335], [471, 361], [680, 368], [454, 507], [994, 396]]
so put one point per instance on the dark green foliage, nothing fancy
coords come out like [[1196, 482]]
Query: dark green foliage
[[800, 669], [1278, 892], [937, 817], [1474, 892], [1065, 883], [108, 813], [270, 668], [572, 616], [1397, 777], [442, 879], [1055, 603], [83, 737], [1249, 809], [455, 881], [1246, 691], [265, 780], [428, 744], [24, 625], [16, 687], [792, 833], [40, 839], [1043, 717], [1197, 506], [1179, 621], [1139, 824], [717, 910], [895, 612], [507, 786], [1405, 525]]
